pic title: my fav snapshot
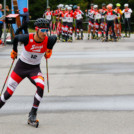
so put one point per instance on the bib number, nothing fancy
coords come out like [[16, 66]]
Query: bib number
[[33, 56]]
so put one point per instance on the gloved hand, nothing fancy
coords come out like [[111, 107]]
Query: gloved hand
[[126, 10], [13, 54], [48, 53]]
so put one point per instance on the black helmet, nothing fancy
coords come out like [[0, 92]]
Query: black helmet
[[41, 23], [103, 4]]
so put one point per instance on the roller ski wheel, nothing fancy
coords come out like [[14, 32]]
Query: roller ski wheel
[[70, 40], [33, 123]]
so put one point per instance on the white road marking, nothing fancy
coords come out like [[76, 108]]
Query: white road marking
[[71, 103], [95, 54]]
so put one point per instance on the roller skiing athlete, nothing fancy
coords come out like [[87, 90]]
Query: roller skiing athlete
[[90, 14], [48, 16], [118, 20], [64, 27], [28, 65], [78, 17], [69, 18], [58, 25], [1, 23], [103, 20], [127, 19], [97, 17], [110, 17]]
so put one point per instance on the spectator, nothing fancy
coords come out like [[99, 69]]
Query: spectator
[[25, 22], [1, 22]]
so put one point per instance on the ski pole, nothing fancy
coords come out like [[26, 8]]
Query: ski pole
[[7, 77], [47, 75]]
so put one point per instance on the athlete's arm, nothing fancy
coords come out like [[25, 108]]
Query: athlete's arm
[[22, 15], [23, 38], [130, 10], [51, 41], [115, 13], [104, 13]]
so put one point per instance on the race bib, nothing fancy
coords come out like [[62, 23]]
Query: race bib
[[98, 16], [79, 16], [127, 15], [70, 19], [48, 17]]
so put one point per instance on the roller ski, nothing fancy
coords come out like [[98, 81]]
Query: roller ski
[[32, 120]]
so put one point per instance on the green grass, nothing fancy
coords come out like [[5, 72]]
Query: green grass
[[31, 30]]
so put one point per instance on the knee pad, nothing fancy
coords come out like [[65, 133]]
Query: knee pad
[[11, 86], [39, 80]]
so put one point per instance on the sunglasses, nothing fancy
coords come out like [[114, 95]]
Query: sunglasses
[[44, 30]]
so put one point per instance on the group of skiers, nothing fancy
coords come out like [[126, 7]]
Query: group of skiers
[[104, 22]]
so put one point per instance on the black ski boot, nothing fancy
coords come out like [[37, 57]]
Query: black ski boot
[[115, 39], [32, 118]]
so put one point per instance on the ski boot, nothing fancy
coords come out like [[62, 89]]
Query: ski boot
[[81, 37], [78, 37], [115, 39], [63, 40], [71, 40], [58, 39], [32, 119], [105, 40], [125, 35]]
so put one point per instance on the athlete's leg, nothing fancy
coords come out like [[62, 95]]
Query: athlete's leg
[[81, 28], [66, 30], [89, 29], [71, 33], [112, 25], [15, 78], [108, 26], [129, 26], [37, 79]]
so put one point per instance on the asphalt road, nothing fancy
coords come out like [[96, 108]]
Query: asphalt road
[[91, 90]]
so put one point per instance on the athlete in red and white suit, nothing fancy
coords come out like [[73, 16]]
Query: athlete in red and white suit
[[28, 65]]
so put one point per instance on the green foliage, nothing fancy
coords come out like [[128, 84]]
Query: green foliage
[[38, 7]]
